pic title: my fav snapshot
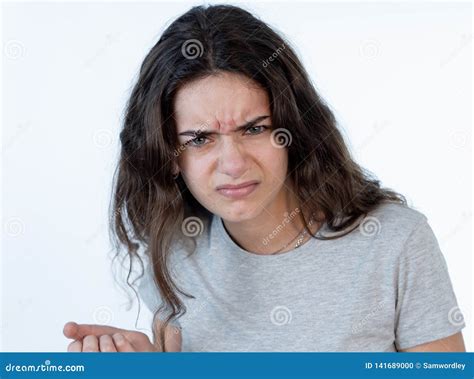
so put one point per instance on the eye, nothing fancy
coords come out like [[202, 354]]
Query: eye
[[200, 140], [195, 141], [258, 130]]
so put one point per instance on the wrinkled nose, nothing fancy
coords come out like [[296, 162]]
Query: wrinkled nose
[[232, 159]]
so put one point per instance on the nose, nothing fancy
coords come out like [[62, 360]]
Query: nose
[[232, 159]]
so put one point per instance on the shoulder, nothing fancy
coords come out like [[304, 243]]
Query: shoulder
[[394, 218], [400, 230], [391, 228]]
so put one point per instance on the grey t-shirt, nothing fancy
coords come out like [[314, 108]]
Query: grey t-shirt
[[383, 287]]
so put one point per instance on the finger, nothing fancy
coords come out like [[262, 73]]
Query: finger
[[90, 344], [70, 329], [75, 346], [78, 331], [121, 343], [106, 344]]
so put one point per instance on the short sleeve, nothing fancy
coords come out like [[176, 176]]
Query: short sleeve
[[149, 293], [426, 308]]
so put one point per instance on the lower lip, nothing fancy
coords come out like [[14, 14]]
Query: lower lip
[[237, 193]]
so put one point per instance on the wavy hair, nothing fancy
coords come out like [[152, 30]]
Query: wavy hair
[[149, 205]]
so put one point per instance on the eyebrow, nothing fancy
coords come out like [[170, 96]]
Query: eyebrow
[[194, 133]]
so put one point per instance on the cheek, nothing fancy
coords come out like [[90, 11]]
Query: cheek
[[274, 162], [187, 164], [195, 172]]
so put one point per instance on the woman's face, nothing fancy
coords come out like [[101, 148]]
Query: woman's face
[[229, 156]]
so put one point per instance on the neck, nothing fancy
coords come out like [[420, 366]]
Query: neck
[[271, 229]]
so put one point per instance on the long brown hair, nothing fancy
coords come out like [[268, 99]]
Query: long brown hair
[[150, 205]]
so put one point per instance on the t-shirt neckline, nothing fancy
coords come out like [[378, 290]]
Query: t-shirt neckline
[[222, 234]]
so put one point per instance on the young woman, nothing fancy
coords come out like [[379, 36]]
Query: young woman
[[257, 229]]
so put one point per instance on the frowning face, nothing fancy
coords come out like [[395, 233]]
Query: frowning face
[[224, 123]]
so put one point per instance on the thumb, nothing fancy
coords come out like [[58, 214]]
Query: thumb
[[78, 331]]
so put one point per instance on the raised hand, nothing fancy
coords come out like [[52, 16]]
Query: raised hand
[[102, 338]]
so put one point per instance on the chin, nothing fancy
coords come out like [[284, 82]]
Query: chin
[[239, 215]]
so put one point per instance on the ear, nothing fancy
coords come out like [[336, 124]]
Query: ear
[[175, 169]]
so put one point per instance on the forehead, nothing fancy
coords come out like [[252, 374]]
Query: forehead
[[220, 102]]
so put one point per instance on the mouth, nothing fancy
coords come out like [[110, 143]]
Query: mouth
[[238, 192]]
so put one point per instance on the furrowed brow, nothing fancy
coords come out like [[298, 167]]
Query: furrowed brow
[[194, 133]]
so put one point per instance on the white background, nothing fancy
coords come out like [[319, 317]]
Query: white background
[[398, 76]]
